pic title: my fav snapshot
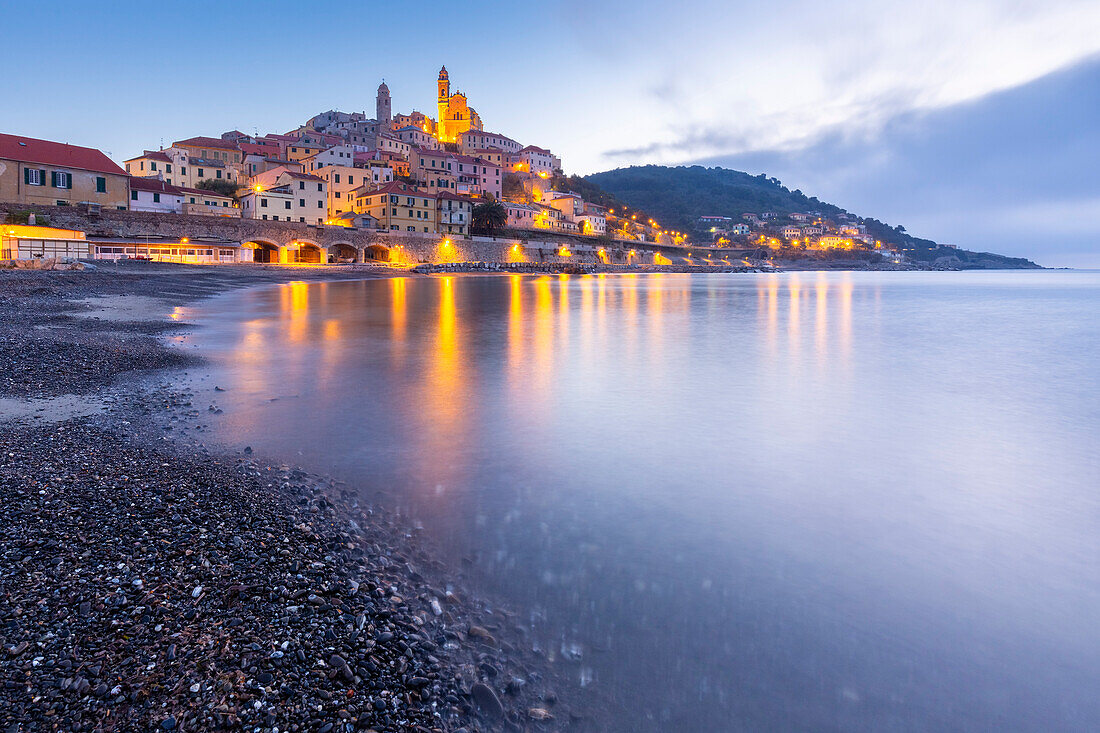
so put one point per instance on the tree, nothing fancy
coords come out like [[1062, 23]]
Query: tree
[[220, 186], [489, 216]]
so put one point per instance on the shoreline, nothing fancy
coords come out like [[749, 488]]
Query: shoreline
[[153, 582]]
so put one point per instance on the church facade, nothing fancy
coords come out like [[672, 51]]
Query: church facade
[[455, 115]]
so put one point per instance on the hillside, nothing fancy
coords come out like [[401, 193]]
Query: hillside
[[677, 197]]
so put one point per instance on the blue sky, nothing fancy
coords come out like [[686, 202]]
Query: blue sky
[[975, 122]]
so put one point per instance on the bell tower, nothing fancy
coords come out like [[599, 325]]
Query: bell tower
[[382, 109], [444, 86]]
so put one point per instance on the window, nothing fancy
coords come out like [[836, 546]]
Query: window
[[156, 198], [202, 174], [303, 220], [265, 217], [263, 203], [301, 186], [183, 170], [167, 167], [192, 199], [133, 195], [286, 204], [336, 177], [320, 187], [62, 179], [152, 165], [218, 174], [320, 204]]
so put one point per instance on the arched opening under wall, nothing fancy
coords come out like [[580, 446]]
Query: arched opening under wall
[[343, 252], [306, 253], [377, 253], [263, 251]]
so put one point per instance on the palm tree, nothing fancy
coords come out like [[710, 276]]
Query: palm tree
[[489, 216]]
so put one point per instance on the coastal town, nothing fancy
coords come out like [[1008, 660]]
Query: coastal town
[[419, 185]]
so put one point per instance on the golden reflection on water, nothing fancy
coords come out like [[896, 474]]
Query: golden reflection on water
[[794, 287], [821, 326]]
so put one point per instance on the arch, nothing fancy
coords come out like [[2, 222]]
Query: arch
[[306, 252], [344, 252], [376, 253], [263, 251]]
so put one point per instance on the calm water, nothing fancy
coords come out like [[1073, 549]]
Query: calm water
[[863, 501]]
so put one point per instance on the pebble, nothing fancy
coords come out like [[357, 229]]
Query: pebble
[[107, 526]]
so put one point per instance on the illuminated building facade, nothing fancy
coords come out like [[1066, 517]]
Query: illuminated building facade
[[455, 115]]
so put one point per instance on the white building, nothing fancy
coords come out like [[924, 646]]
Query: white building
[[472, 140], [285, 195], [152, 194]]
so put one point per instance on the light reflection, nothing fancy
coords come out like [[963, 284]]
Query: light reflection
[[821, 330], [794, 287]]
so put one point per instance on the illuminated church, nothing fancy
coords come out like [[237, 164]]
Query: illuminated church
[[455, 116]]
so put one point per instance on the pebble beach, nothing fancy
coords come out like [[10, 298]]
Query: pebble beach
[[151, 582]]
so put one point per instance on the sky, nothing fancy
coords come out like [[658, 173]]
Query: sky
[[972, 122]]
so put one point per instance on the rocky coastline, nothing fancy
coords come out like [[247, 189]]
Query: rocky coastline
[[149, 582]]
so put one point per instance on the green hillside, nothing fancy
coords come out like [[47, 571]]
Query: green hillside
[[677, 197]]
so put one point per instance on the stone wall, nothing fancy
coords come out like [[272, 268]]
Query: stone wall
[[409, 247]]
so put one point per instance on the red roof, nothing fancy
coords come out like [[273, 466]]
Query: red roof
[[45, 152], [454, 196], [204, 192], [250, 149], [402, 188], [152, 155], [153, 184], [535, 149], [207, 142]]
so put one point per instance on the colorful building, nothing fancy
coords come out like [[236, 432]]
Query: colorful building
[[34, 171]]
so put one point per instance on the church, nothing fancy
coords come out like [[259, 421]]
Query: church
[[455, 116]]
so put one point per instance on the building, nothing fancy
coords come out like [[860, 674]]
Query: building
[[301, 149], [799, 217], [200, 202], [455, 115], [19, 242], [205, 158], [42, 172], [471, 141], [454, 213], [389, 143], [285, 195], [714, 221], [398, 207], [197, 252], [413, 119], [383, 109], [535, 161], [592, 219], [152, 194], [791, 232], [477, 177], [520, 216], [741, 229], [417, 137], [433, 170]]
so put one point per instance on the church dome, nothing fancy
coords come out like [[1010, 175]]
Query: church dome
[[383, 88], [443, 73]]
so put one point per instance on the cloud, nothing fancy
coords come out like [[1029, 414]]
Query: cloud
[[1013, 172]]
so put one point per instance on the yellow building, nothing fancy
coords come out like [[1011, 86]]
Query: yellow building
[[455, 115], [398, 207], [31, 242], [42, 172]]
